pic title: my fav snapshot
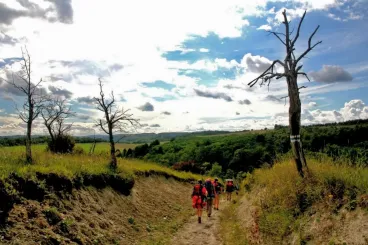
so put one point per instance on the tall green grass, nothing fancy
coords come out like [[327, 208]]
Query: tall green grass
[[70, 165]]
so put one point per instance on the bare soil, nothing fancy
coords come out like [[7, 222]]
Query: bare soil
[[152, 212], [206, 233]]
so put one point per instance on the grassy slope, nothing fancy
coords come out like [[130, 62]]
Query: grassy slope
[[11, 161], [150, 215], [327, 207]]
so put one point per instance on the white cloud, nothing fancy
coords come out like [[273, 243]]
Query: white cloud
[[204, 50], [265, 27], [134, 35]]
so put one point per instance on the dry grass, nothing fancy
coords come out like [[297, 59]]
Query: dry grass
[[232, 231], [150, 215], [286, 200]]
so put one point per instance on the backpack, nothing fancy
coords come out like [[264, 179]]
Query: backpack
[[217, 187], [198, 191], [229, 186], [210, 189]]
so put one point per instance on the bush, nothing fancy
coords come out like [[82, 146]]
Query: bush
[[78, 150], [190, 166], [62, 144], [216, 170]]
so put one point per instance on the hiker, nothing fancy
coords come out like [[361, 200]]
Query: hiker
[[210, 195], [229, 189], [218, 190], [199, 198]]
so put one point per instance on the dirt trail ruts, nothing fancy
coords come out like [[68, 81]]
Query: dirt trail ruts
[[207, 233]]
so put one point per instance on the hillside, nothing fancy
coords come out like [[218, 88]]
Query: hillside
[[240, 152], [330, 206]]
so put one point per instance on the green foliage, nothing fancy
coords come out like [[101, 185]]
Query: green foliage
[[229, 174], [78, 150], [216, 170], [131, 220], [245, 151]]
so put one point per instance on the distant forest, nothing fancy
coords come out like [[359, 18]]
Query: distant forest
[[243, 151], [238, 152]]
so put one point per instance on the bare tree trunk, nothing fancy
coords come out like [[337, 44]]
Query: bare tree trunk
[[294, 122], [28, 143], [113, 162], [29, 129]]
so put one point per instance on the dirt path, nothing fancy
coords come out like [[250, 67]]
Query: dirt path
[[206, 233]]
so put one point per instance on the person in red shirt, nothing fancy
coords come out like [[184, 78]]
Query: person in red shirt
[[199, 199]]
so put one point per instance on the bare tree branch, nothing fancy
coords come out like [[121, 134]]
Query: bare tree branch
[[114, 120], [34, 102]]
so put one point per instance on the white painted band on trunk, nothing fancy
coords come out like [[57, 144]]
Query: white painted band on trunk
[[294, 138]]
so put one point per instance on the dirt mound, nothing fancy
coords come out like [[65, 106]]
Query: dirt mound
[[101, 216]]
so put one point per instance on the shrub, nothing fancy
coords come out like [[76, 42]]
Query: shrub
[[190, 166], [62, 144], [78, 150], [216, 170]]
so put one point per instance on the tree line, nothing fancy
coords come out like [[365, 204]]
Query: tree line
[[243, 152]]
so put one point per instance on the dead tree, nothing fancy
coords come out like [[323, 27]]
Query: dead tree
[[291, 71], [115, 120], [54, 113], [34, 99]]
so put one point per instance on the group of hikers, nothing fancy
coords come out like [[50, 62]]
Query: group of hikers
[[207, 195]]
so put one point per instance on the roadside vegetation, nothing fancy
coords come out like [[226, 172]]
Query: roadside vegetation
[[283, 206]]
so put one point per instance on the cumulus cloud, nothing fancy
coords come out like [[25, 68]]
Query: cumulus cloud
[[60, 92], [213, 95], [265, 27], [330, 74], [354, 109], [245, 102], [255, 63], [272, 98], [86, 100], [146, 107], [63, 9], [6, 39], [204, 50]]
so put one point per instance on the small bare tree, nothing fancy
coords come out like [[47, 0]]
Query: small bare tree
[[291, 71], [34, 99], [114, 120], [54, 113]]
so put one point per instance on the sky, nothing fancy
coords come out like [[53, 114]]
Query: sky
[[184, 65]]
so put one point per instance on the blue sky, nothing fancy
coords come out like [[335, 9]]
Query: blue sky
[[185, 66]]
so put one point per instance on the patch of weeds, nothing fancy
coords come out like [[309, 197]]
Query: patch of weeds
[[131, 220], [66, 224], [148, 228], [276, 223], [52, 216]]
